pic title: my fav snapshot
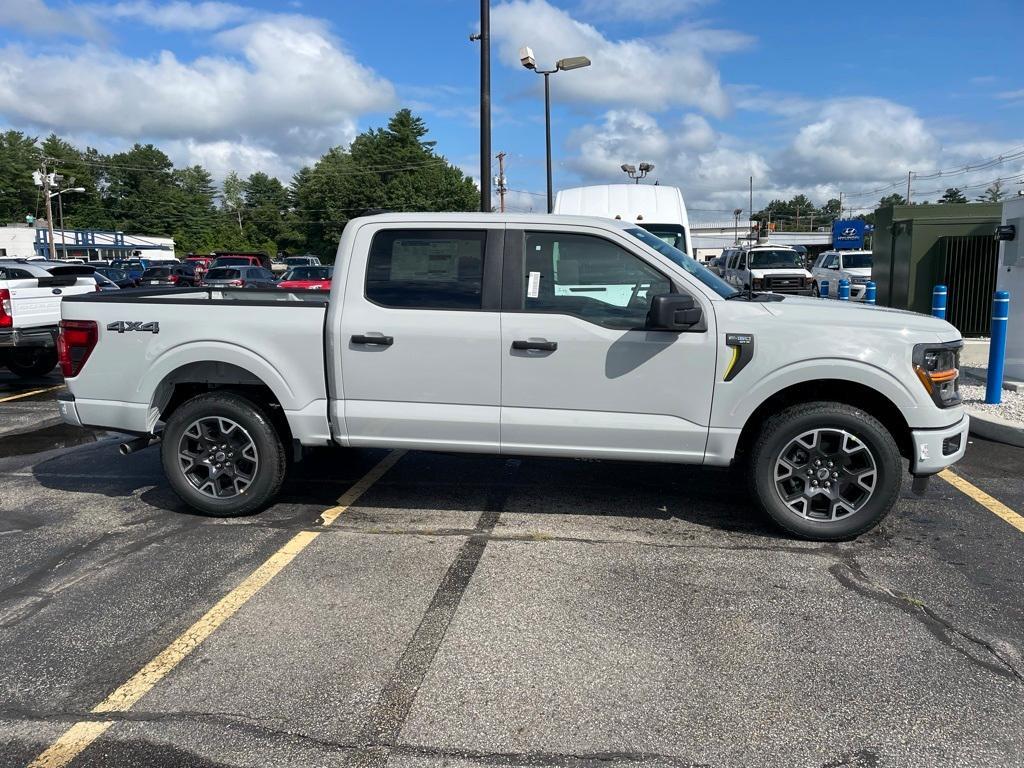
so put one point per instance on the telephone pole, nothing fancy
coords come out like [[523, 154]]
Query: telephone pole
[[908, 186], [500, 182], [49, 210]]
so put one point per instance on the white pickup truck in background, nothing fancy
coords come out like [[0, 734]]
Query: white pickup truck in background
[[526, 335], [30, 296]]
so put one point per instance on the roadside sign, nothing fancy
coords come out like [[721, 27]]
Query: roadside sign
[[848, 234]]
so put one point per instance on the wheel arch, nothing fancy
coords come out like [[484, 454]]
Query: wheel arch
[[844, 391]]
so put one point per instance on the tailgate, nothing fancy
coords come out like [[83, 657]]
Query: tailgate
[[36, 301]]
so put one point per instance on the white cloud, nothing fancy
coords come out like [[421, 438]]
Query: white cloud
[[861, 140], [176, 15], [652, 73], [36, 18], [272, 92]]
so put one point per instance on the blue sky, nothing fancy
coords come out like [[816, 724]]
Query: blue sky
[[805, 96]]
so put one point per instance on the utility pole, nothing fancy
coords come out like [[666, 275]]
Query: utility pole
[[485, 105], [752, 202], [908, 186], [798, 217], [49, 209], [840, 205], [500, 181]]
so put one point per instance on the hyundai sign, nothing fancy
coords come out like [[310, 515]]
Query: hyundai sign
[[848, 234]]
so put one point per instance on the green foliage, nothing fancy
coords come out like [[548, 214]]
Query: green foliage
[[953, 195], [994, 193], [141, 192]]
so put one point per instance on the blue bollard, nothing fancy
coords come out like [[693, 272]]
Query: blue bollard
[[870, 292], [939, 302], [824, 289], [997, 348], [844, 290]]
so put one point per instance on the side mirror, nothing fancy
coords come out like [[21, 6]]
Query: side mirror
[[833, 266], [673, 312]]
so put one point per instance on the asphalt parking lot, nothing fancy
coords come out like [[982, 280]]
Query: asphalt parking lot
[[450, 610]]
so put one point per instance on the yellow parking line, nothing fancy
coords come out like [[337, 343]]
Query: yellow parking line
[[994, 506], [82, 734], [29, 394]]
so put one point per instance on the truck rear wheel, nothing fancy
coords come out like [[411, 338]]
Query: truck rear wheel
[[222, 455], [31, 362], [825, 471]]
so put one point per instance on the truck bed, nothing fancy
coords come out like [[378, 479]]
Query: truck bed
[[152, 340]]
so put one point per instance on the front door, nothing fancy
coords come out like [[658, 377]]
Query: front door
[[420, 364], [580, 375]]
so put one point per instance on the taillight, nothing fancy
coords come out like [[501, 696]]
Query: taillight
[[237, 283], [173, 278], [74, 345], [6, 317]]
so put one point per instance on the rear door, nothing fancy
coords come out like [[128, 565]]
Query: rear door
[[419, 337], [581, 376]]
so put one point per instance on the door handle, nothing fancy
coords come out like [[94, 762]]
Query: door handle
[[376, 340], [540, 346]]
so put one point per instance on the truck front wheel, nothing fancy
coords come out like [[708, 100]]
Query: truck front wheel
[[825, 471], [222, 455]]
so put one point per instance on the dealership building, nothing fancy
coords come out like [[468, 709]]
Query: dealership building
[[27, 241]]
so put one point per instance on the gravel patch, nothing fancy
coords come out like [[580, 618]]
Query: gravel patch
[[1011, 409]]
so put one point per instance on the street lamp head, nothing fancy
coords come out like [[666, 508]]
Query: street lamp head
[[628, 168], [526, 57], [573, 62], [77, 189], [646, 167], [737, 211]]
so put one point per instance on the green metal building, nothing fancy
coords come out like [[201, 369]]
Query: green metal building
[[917, 247]]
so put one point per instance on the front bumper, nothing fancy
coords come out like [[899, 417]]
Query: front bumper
[[930, 447], [40, 336]]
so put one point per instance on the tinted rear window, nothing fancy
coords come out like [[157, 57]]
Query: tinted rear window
[[231, 261], [221, 273], [155, 272]]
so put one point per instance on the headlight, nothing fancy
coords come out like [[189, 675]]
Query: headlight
[[757, 282], [936, 365]]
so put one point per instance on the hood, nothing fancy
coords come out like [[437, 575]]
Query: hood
[[850, 314], [781, 272], [858, 271]]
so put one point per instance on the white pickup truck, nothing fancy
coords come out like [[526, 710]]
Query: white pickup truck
[[30, 296], [529, 335]]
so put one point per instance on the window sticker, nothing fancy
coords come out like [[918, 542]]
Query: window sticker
[[533, 286]]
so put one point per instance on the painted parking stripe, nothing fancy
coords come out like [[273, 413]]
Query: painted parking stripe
[[29, 394], [994, 506], [83, 733]]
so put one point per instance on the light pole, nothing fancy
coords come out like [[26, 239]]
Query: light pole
[[631, 171], [736, 224], [60, 209], [563, 65]]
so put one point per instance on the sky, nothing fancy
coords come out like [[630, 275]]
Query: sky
[[806, 97]]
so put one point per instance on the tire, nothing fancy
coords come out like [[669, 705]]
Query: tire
[[31, 362], [222, 455], [848, 444]]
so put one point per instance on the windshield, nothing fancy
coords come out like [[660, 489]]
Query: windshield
[[307, 273], [857, 260], [782, 258], [297, 261], [156, 272], [673, 234], [221, 273], [699, 271]]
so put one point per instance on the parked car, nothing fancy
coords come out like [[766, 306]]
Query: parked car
[[118, 276], [241, 259], [312, 278], [302, 261], [104, 283], [135, 267], [30, 296], [834, 266], [239, 277], [767, 267], [201, 263], [422, 346], [718, 263], [181, 275]]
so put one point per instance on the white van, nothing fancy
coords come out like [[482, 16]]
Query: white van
[[660, 210]]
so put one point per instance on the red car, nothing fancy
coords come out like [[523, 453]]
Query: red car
[[201, 263], [310, 278]]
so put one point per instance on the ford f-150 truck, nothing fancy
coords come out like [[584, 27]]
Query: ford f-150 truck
[[523, 335]]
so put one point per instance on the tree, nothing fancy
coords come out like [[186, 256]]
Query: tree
[[953, 195], [993, 193], [894, 199], [234, 196], [19, 157]]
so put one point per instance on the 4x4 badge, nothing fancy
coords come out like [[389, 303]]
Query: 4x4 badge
[[126, 326]]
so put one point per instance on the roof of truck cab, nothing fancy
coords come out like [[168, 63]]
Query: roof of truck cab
[[650, 203], [530, 219]]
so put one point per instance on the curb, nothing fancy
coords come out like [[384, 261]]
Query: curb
[[995, 428]]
